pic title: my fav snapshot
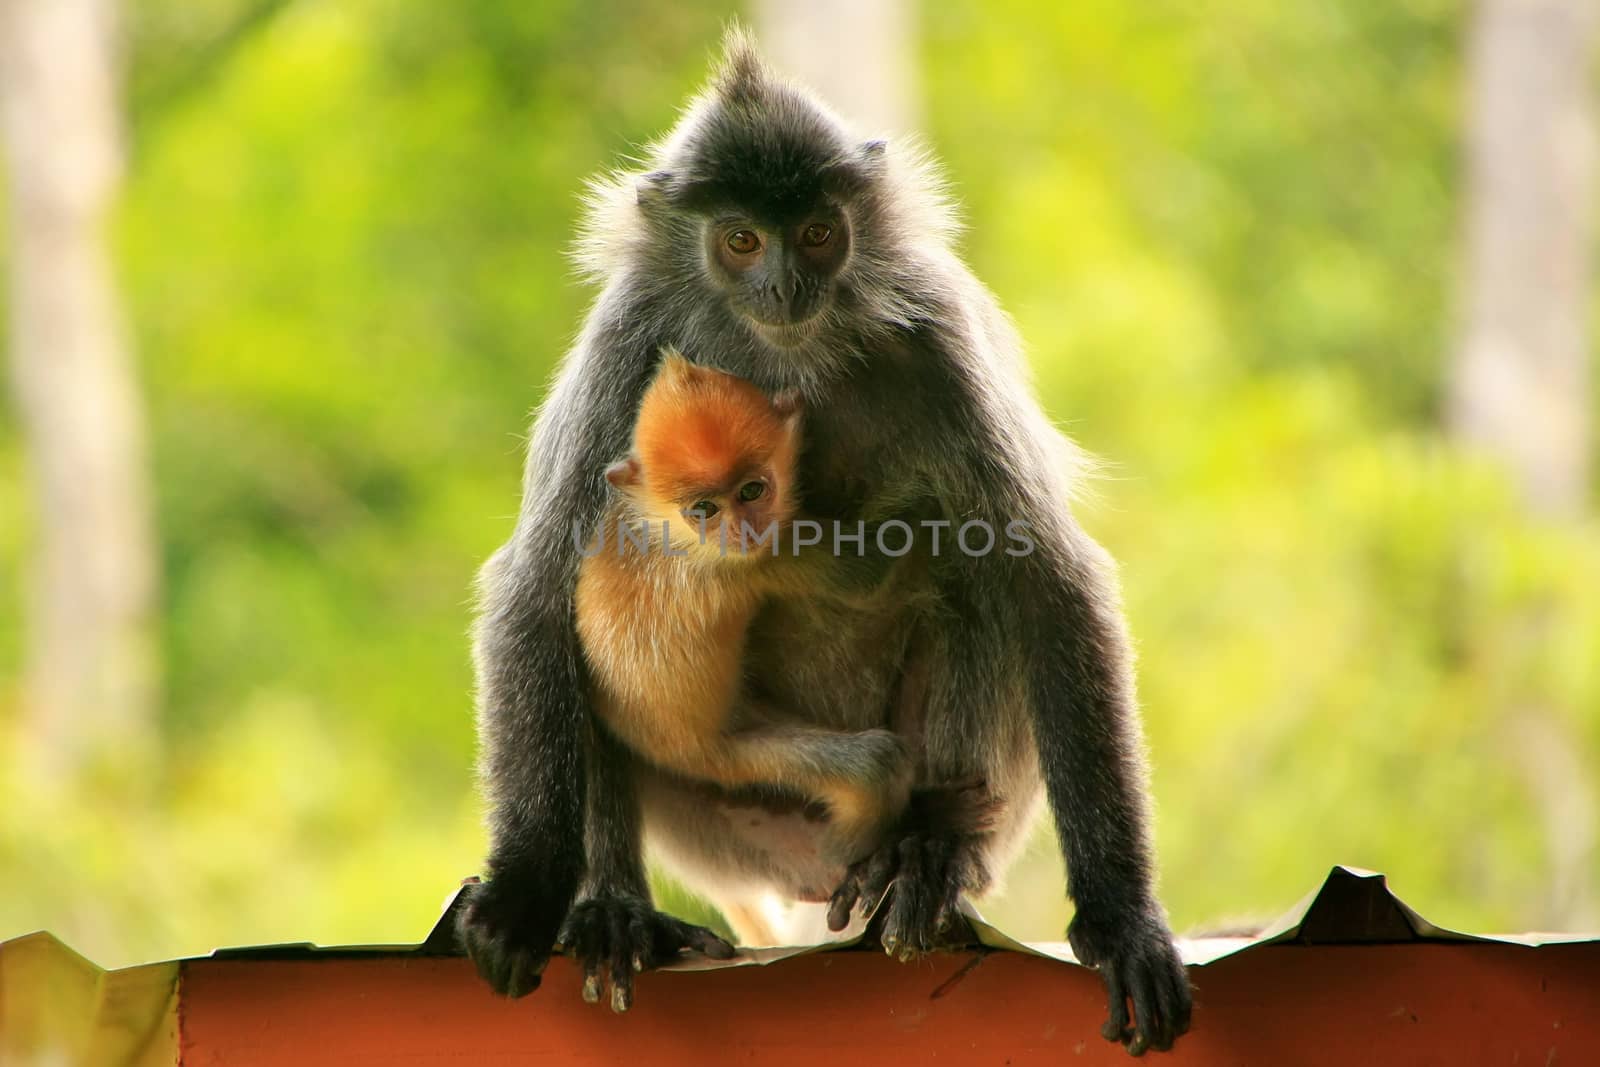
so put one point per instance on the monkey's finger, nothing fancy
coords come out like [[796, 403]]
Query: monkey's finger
[[572, 937], [949, 922], [1173, 1002], [641, 944], [699, 939], [710, 945], [521, 973], [523, 980], [1116, 1026], [1148, 1026], [844, 900], [938, 855], [621, 991], [905, 930], [1160, 1033], [619, 960], [580, 938], [1181, 999], [943, 865], [880, 874]]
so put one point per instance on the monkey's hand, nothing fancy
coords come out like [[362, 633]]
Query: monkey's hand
[[617, 936], [1136, 957], [507, 926], [935, 855]]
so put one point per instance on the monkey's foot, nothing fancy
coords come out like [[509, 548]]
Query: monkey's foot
[[936, 855], [923, 875], [507, 927], [1136, 957], [616, 937]]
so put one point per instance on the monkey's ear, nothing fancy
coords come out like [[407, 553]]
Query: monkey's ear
[[660, 190], [675, 366], [856, 172], [787, 402], [623, 473], [655, 190], [790, 406]]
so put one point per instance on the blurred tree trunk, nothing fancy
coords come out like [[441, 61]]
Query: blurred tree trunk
[[1520, 385], [91, 677], [859, 54]]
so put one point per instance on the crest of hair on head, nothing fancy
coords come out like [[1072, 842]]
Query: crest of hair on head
[[700, 428], [743, 73]]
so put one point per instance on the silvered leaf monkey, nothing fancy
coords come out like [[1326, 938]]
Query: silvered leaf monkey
[[764, 238]]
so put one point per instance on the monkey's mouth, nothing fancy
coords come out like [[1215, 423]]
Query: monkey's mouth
[[790, 334]]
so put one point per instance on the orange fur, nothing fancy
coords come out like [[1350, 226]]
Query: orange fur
[[664, 635]]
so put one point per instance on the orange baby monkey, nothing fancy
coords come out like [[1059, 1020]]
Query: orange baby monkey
[[662, 619]]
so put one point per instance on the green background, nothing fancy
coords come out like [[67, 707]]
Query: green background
[[1229, 234]]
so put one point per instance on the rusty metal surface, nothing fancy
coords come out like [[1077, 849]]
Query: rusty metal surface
[[1412, 1003]]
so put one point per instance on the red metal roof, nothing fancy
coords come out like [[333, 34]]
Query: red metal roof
[[1350, 973]]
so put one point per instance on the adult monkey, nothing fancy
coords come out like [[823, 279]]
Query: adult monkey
[[770, 243]]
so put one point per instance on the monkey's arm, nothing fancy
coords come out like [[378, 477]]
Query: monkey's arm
[[1091, 756], [533, 710], [863, 776], [1086, 730], [530, 714]]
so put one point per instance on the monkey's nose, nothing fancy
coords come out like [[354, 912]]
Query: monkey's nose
[[785, 287]]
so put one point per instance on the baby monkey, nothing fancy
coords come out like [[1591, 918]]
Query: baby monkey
[[662, 618]]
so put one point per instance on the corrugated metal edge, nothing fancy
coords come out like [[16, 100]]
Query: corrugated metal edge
[[54, 1002], [1351, 906], [58, 1007]]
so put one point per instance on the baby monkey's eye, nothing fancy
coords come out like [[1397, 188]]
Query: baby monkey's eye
[[743, 242], [752, 491], [702, 510], [816, 234]]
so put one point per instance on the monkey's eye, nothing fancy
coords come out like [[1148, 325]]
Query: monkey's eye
[[752, 491], [743, 242], [816, 234], [701, 510]]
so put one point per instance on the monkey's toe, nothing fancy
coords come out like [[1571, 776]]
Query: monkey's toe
[[918, 876], [614, 938]]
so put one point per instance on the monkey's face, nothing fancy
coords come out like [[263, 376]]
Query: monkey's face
[[778, 275], [742, 519]]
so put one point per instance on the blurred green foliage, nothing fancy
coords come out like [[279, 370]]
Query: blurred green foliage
[[1227, 233]]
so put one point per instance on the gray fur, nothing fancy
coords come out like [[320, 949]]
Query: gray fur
[[1010, 672]]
